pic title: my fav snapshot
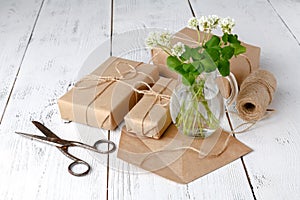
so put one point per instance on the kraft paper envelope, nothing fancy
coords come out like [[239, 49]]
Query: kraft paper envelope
[[172, 156]]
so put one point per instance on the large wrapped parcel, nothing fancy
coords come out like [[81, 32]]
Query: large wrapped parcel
[[241, 66], [102, 98]]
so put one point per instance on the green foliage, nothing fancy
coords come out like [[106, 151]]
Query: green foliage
[[223, 67], [214, 54], [213, 42], [173, 62]]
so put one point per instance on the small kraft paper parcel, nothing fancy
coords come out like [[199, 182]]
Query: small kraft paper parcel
[[150, 117]]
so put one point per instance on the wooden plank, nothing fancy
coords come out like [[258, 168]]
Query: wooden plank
[[66, 32], [16, 24], [273, 166], [289, 12], [149, 14], [127, 181]]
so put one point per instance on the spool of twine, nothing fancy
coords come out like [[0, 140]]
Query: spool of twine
[[256, 93]]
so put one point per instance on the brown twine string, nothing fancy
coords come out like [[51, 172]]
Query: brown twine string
[[251, 124], [104, 79], [256, 94], [158, 97], [233, 131], [188, 148], [225, 145], [248, 61]]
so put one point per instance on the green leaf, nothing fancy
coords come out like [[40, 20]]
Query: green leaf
[[213, 53], [224, 67], [182, 58], [198, 66], [185, 81], [238, 49], [227, 52], [195, 53], [225, 38], [207, 62], [188, 78], [173, 62], [213, 42], [187, 54], [208, 65], [188, 67], [179, 69], [233, 39]]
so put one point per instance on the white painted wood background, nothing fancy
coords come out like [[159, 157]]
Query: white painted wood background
[[43, 44]]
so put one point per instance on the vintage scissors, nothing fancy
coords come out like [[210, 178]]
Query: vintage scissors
[[63, 146]]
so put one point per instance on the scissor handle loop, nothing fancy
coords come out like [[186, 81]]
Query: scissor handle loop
[[79, 162], [111, 146]]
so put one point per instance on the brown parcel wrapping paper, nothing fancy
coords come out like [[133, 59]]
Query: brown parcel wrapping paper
[[181, 166], [239, 65], [151, 115], [105, 104]]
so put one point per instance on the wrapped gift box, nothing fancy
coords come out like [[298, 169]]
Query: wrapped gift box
[[239, 66], [104, 97], [151, 115]]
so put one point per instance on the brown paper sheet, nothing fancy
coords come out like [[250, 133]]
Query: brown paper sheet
[[239, 65], [182, 166], [104, 105], [150, 117]]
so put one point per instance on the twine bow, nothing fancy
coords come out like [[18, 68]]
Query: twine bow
[[159, 99], [97, 80]]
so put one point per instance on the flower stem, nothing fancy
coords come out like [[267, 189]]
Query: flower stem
[[190, 119]]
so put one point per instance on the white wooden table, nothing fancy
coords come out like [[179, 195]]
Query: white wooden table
[[43, 44]]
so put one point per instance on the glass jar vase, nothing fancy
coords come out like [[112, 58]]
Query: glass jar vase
[[197, 109]]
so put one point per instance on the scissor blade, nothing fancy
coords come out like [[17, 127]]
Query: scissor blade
[[47, 140], [45, 130]]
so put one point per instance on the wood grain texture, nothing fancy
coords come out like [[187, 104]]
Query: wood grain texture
[[289, 12], [127, 181], [273, 166], [64, 36], [132, 15], [16, 25]]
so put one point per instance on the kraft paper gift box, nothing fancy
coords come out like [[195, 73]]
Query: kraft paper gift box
[[240, 66], [150, 117], [102, 98], [172, 156]]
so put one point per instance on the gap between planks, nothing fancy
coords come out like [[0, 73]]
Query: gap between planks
[[242, 158], [228, 117], [284, 23], [110, 53], [23, 56]]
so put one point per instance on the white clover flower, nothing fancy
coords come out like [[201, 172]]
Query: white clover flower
[[156, 39], [152, 40], [204, 24], [164, 39], [178, 49], [193, 23], [227, 24], [213, 21]]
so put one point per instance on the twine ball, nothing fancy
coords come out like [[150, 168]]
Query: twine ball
[[256, 93]]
